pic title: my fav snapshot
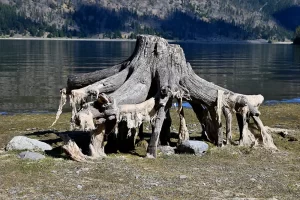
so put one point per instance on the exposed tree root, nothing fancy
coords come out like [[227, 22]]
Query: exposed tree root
[[266, 137], [97, 142], [72, 149], [63, 101], [183, 131]]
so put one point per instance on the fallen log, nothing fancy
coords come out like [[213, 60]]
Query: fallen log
[[143, 87]]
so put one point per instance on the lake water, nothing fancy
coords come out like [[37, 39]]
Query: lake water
[[32, 72]]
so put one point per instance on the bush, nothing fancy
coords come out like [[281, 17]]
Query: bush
[[297, 32], [297, 36]]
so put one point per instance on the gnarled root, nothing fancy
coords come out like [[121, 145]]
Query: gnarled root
[[97, 142], [72, 149], [246, 137], [266, 137], [63, 100], [156, 128], [183, 131], [228, 119]]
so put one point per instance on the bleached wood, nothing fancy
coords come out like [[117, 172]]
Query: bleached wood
[[141, 89]]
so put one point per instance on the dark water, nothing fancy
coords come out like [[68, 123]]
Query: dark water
[[32, 72]]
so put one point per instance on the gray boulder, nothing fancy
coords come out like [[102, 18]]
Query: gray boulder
[[25, 143], [31, 155], [166, 150], [192, 147]]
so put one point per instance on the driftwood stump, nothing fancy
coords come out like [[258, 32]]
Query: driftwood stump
[[142, 88]]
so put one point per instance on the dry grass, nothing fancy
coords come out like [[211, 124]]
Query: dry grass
[[228, 172]]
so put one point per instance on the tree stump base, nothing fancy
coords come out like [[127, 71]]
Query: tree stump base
[[142, 88]]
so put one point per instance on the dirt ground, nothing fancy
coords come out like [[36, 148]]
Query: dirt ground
[[230, 172]]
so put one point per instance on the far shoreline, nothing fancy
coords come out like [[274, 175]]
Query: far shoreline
[[199, 41]]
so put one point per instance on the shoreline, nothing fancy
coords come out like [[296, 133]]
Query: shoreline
[[186, 105], [199, 41]]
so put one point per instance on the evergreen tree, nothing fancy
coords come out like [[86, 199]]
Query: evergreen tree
[[297, 36]]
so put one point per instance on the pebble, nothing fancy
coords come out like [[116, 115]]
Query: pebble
[[31, 155], [259, 187], [79, 187], [154, 184], [82, 170], [166, 150], [182, 176]]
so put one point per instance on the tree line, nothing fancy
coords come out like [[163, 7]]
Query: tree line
[[12, 22], [92, 20]]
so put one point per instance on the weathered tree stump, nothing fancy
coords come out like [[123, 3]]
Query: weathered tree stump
[[141, 89]]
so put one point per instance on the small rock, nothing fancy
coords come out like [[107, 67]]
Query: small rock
[[153, 198], [259, 187], [82, 170], [79, 187], [154, 184], [142, 144], [253, 179], [24, 143], [28, 129], [54, 172], [193, 147], [182, 176], [13, 191], [166, 150], [31, 155], [292, 139]]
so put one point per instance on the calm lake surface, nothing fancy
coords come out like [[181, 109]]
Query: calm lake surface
[[32, 72]]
